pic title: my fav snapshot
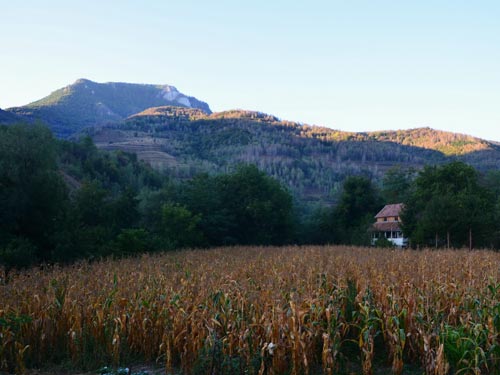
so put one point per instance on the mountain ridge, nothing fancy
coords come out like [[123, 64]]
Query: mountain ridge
[[449, 143], [154, 122], [87, 103], [312, 161]]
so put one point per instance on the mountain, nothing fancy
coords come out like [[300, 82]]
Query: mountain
[[8, 118], [179, 134], [312, 161], [86, 103]]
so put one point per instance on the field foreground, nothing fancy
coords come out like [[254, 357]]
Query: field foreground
[[260, 311]]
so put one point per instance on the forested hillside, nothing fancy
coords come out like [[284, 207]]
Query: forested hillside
[[178, 135], [312, 161]]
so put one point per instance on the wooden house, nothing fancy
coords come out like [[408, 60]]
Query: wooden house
[[388, 225]]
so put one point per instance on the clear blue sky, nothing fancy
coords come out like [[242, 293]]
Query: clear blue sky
[[350, 65]]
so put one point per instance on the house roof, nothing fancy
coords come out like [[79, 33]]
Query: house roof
[[386, 226], [390, 210]]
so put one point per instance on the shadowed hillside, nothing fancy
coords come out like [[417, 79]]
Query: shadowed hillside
[[8, 118]]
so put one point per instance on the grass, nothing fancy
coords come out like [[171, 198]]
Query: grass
[[291, 310]]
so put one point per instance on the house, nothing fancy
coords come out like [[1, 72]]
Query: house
[[388, 225]]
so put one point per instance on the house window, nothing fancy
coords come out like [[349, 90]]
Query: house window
[[385, 219]]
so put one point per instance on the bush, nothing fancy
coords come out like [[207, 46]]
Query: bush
[[384, 243], [19, 253], [131, 241]]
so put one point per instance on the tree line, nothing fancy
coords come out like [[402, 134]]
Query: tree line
[[61, 201], [445, 206]]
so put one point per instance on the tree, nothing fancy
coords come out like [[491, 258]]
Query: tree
[[91, 202], [133, 241], [397, 184], [244, 207], [33, 194], [354, 213], [179, 227], [206, 195], [448, 202], [440, 216], [317, 227], [262, 208], [124, 210], [18, 253]]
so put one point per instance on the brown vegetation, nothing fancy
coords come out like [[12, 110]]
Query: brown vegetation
[[267, 310]]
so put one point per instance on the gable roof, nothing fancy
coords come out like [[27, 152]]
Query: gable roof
[[386, 226], [390, 210]]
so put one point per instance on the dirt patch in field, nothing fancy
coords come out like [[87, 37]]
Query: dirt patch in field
[[139, 368]]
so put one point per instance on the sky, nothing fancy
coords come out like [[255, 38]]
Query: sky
[[357, 65]]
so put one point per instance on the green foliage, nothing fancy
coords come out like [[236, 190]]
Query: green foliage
[[349, 221], [261, 207], [244, 207], [464, 348], [212, 360], [397, 185], [383, 243], [114, 170], [311, 161], [132, 241], [179, 227], [32, 192], [317, 227], [449, 207], [14, 322], [358, 198], [90, 203], [354, 213], [204, 196], [18, 253], [62, 201]]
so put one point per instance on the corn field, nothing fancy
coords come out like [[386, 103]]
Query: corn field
[[294, 310]]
